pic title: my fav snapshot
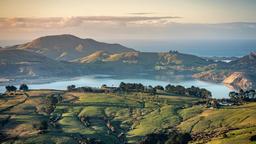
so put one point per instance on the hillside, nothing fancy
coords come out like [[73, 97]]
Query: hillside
[[169, 63], [167, 58], [68, 47], [20, 63], [51, 116], [246, 63], [98, 58], [94, 57], [240, 73]]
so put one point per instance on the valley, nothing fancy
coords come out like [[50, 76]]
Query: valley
[[127, 72]]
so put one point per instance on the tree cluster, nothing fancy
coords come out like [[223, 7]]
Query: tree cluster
[[192, 91], [172, 137], [243, 96], [131, 87], [50, 103], [23, 87], [73, 88], [41, 125], [179, 90], [10, 88]]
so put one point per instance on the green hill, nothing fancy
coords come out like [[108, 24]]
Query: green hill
[[119, 118]]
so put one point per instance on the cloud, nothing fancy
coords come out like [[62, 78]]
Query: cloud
[[52, 22], [141, 13]]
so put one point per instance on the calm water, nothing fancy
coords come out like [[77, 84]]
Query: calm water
[[218, 90]]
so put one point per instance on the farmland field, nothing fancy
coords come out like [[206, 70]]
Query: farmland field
[[119, 118]]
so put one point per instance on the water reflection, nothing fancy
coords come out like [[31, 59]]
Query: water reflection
[[218, 90]]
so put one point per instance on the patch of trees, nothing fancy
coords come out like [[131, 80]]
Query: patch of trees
[[138, 87], [243, 96], [82, 139], [23, 87], [3, 137], [131, 87], [73, 88], [172, 137], [41, 125], [4, 120], [10, 88], [50, 103], [192, 91], [199, 92], [179, 90], [253, 138]]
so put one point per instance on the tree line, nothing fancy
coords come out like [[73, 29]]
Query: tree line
[[179, 90], [243, 96], [11, 88], [138, 87]]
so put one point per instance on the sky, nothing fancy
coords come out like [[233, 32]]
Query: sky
[[128, 19]]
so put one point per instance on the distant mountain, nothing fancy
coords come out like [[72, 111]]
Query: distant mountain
[[16, 63], [246, 63], [69, 47], [51, 52], [67, 55]]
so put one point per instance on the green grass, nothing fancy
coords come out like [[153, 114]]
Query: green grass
[[104, 98], [166, 117], [191, 112], [126, 115], [44, 139], [241, 136], [91, 111], [233, 117]]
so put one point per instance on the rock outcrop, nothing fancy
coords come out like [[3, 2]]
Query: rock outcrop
[[211, 76], [239, 80]]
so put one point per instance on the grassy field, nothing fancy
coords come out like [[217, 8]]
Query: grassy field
[[106, 116]]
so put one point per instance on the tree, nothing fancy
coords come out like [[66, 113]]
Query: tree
[[71, 87], [158, 87], [42, 125], [204, 93], [23, 87], [180, 90], [104, 86], [170, 88], [10, 88]]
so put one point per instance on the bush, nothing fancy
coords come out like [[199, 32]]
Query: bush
[[172, 137], [10, 88], [42, 125], [23, 87]]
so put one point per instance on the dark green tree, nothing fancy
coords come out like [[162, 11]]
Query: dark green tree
[[23, 87]]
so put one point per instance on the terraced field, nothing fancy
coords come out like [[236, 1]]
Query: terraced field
[[119, 118]]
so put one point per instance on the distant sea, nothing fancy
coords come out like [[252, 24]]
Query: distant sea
[[196, 47]]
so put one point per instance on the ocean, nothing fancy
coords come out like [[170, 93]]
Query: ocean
[[196, 47]]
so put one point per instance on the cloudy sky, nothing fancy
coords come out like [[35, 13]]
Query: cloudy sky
[[128, 19]]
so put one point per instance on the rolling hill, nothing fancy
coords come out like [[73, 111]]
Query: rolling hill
[[170, 63], [20, 63], [69, 55], [68, 47], [239, 73]]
